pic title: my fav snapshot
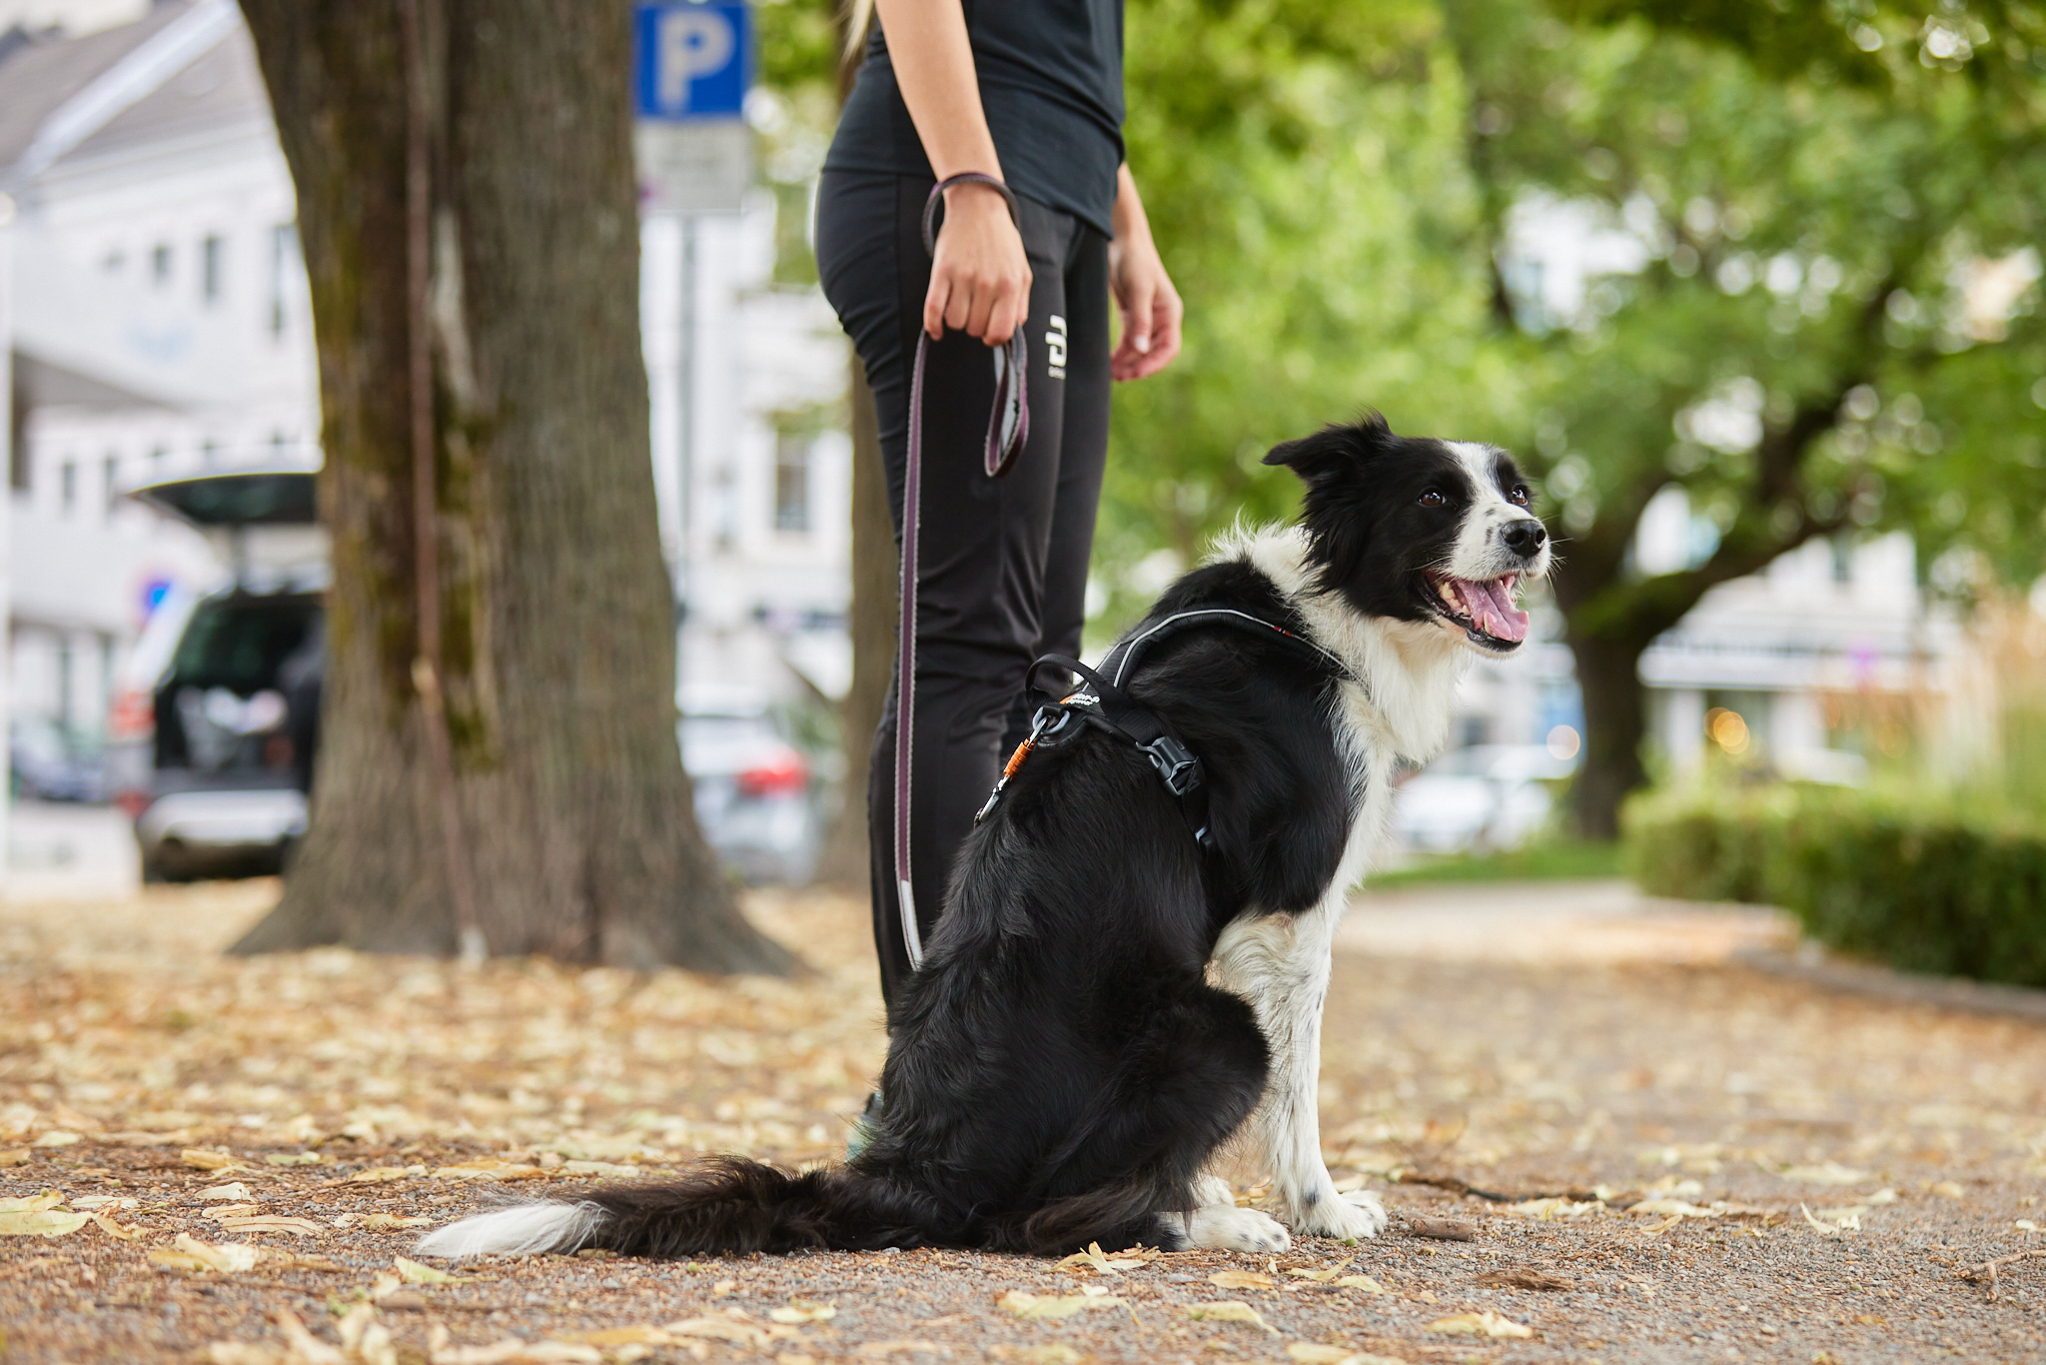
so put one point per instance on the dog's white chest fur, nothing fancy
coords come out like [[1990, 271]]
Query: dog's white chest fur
[[1396, 706]]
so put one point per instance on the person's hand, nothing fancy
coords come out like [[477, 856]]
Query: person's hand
[[980, 278], [1151, 310]]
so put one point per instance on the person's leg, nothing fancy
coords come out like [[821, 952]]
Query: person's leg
[[1083, 453], [980, 577]]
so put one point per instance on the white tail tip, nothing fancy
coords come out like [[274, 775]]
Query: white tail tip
[[526, 1230]]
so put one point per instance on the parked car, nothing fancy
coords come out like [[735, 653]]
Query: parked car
[[46, 764], [223, 693], [758, 799], [1483, 796]]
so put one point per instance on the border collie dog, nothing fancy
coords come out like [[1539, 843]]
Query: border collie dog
[[1105, 1001]]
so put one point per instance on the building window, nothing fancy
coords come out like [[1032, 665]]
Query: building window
[[791, 482], [160, 264], [111, 476], [208, 453], [283, 259], [209, 268], [114, 261], [67, 486]]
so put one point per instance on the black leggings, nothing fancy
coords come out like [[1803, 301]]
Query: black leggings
[[1002, 563]]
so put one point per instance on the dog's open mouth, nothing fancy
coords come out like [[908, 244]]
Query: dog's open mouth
[[1484, 609]]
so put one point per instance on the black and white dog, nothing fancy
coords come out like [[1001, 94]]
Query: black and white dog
[[1063, 1066]]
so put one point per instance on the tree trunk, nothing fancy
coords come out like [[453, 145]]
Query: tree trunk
[[556, 614], [1614, 725], [874, 589]]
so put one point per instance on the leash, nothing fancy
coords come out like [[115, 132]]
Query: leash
[[1007, 430], [1101, 702]]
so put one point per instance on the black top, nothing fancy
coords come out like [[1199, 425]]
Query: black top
[[1050, 76]]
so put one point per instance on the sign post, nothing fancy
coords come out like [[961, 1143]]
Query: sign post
[[692, 64]]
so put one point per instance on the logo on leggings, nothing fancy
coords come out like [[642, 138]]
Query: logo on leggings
[[1055, 347]]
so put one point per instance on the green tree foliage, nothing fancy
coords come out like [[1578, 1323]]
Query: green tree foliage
[[1794, 346]]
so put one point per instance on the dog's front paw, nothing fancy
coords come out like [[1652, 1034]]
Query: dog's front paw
[[1347, 1218], [1228, 1228]]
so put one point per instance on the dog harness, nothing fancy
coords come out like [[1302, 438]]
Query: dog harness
[[1102, 702], [1007, 431]]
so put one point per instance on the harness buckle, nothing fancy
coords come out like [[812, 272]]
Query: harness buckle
[[1175, 763]]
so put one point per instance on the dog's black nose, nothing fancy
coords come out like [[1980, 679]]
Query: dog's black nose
[[1526, 538]]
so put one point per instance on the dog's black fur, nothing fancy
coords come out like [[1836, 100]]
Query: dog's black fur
[[1060, 1068]]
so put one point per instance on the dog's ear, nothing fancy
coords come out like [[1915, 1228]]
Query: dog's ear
[[1333, 448]]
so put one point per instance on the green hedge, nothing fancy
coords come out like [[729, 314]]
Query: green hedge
[[1925, 890]]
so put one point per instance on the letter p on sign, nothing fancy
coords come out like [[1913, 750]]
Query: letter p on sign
[[692, 59]]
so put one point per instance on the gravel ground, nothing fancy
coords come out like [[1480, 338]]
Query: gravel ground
[[1695, 1162]]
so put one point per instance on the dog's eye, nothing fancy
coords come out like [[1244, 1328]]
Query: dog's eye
[[1518, 497], [1433, 498]]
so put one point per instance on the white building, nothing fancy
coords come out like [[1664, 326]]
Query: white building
[[157, 318]]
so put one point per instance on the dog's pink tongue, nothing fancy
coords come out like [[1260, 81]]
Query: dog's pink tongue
[[1490, 604]]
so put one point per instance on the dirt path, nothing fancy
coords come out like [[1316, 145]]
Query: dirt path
[[1684, 1112]]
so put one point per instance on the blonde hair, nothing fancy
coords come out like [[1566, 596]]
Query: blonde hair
[[859, 15]]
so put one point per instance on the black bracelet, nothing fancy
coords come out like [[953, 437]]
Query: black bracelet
[[963, 178]]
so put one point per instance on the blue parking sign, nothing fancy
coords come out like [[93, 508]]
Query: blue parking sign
[[692, 60]]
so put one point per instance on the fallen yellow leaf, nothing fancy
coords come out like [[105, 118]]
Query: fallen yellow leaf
[[488, 1169], [270, 1222], [378, 1175], [42, 1223], [1230, 1310], [1363, 1282], [412, 1272], [1094, 1258], [1324, 1275], [1485, 1324], [14, 1156], [233, 1190], [1240, 1279], [229, 1211], [189, 1253], [31, 1203], [58, 1137], [1027, 1305], [804, 1310], [1947, 1189], [113, 1229], [200, 1159]]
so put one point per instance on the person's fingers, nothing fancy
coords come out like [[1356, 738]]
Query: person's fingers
[[959, 304], [934, 306], [986, 294], [1137, 315], [1004, 318], [1166, 313]]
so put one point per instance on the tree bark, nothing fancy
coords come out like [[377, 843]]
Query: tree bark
[[1615, 723], [556, 615], [846, 859]]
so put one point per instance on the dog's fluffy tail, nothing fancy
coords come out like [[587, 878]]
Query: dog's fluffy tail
[[726, 1204]]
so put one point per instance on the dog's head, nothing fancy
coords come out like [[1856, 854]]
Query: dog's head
[[1417, 529]]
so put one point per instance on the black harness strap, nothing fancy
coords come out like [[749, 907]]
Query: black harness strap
[[1102, 702]]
